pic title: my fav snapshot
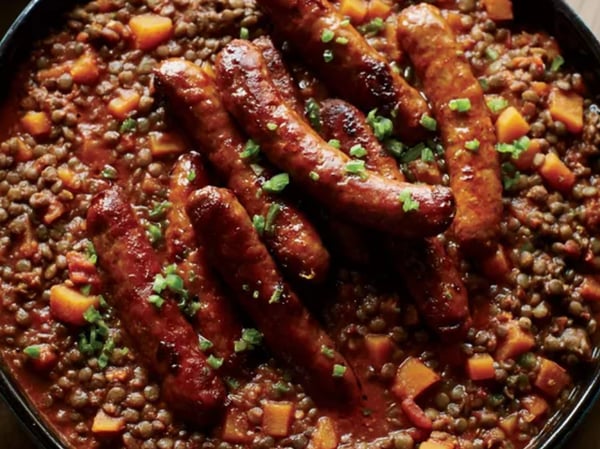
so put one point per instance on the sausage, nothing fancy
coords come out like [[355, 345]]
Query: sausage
[[164, 339], [292, 239], [279, 73], [447, 75], [321, 170], [234, 248], [357, 72], [216, 319], [428, 271]]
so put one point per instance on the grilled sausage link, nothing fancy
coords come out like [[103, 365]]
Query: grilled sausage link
[[322, 171], [292, 238], [216, 319], [446, 75], [428, 271], [356, 71], [165, 340], [235, 249]]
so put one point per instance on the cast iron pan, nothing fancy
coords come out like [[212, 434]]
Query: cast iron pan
[[577, 42]]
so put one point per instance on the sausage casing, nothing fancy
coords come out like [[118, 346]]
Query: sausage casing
[[322, 171], [165, 340], [236, 251], [216, 318], [292, 238], [356, 71], [446, 75]]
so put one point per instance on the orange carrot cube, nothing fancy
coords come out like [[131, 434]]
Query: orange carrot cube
[[277, 418], [69, 305], [511, 125], [413, 378], [516, 342], [499, 9], [125, 104], [150, 30], [552, 378], [481, 367], [85, 69], [37, 124], [557, 174], [567, 107]]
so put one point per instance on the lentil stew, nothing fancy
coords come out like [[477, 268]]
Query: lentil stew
[[117, 250]]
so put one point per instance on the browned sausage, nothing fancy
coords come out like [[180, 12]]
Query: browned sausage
[[428, 271], [165, 340], [321, 170], [446, 75], [279, 72], [292, 238], [235, 249], [216, 319], [357, 72]]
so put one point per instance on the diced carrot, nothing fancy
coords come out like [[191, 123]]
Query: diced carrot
[[516, 342], [567, 107], [69, 178], [527, 61], [52, 73], [496, 266], [499, 9], [535, 405], [164, 144], [552, 378], [379, 348], [208, 69], [150, 30], [37, 124], [325, 435], [277, 418], [107, 425], [481, 367], [413, 378], [69, 305], [85, 69], [590, 289], [378, 8], [236, 428], [437, 444], [525, 159], [557, 174], [511, 125], [415, 414], [24, 152], [125, 104], [356, 10], [509, 424], [541, 88]]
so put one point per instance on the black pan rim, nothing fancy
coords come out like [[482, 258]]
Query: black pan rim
[[557, 431]]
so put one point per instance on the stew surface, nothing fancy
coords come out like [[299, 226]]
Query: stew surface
[[260, 224]]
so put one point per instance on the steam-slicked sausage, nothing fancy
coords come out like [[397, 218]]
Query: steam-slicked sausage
[[291, 238], [321, 170], [356, 71], [446, 75], [216, 318], [236, 251], [165, 340], [428, 271]]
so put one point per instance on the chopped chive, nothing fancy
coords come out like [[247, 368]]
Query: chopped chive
[[428, 122], [276, 296], [327, 36], [33, 351], [232, 384], [339, 370], [272, 214], [492, 53], [313, 113], [259, 224], [282, 387], [341, 40], [497, 104], [327, 351], [214, 362], [128, 125], [335, 143], [394, 147], [244, 33], [90, 253], [356, 167], [156, 300], [472, 145], [358, 151], [154, 233], [460, 105], [382, 126], [191, 176], [160, 209], [86, 290], [408, 202], [373, 27], [427, 155], [204, 343], [272, 126], [277, 183], [109, 172], [251, 150], [314, 176], [92, 316], [159, 284], [250, 339], [345, 22], [557, 63], [485, 85], [327, 55]]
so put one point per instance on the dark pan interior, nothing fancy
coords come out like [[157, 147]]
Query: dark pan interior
[[582, 50]]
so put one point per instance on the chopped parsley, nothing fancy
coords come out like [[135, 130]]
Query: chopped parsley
[[335, 143], [327, 55], [314, 176], [460, 105], [356, 167], [428, 122], [358, 151], [497, 104], [312, 111], [214, 362], [408, 202], [276, 296], [244, 33], [128, 125], [327, 351], [382, 126], [96, 339], [251, 150], [277, 183], [472, 145], [327, 36], [272, 213], [259, 224], [109, 172], [33, 351], [250, 339], [557, 63], [339, 370], [204, 343], [171, 281]]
